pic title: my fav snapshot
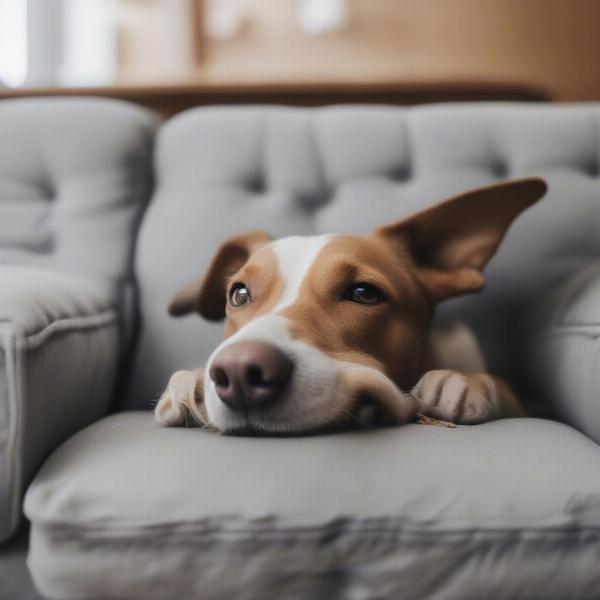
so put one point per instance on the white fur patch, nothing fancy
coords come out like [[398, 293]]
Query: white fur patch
[[313, 382], [295, 256], [315, 374]]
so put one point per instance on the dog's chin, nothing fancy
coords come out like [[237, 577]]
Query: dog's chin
[[264, 425], [324, 393], [264, 431], [364, 416]]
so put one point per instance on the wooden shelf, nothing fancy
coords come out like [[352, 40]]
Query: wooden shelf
[[171, 99]]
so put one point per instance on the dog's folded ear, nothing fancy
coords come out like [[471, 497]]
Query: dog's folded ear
[[451, 242], [207, 295]]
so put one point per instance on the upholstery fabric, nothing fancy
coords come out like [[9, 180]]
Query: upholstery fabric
[[506, 510], [74, 178], [59, 348], [220, 171], [563, 351]]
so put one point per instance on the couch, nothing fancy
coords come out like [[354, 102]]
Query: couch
[[74, 178], [127, 509]]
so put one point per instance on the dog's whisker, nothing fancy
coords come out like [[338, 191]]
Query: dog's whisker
[[351, 416]]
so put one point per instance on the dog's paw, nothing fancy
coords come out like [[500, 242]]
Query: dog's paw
[[180, 405], [453, 396]]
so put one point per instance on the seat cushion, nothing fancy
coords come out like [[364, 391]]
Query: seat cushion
[[510, 509]]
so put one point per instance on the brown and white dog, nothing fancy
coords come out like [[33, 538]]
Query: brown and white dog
[[326, 331]]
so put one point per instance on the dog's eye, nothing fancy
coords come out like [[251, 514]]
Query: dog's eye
[[364, 293], [239, 294]]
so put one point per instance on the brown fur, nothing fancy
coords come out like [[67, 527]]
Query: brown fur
[[418, 262]]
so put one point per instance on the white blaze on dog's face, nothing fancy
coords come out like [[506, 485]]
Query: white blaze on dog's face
[[318, 327], [328, 303]]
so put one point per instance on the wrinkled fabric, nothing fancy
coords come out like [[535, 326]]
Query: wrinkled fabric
[[74, 178], [59, 350], [509, 509]]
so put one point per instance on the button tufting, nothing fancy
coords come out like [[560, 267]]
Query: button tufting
[[592, 169], [499, 168], [47, 190], [256, 184], [312, 201], [401, 173]]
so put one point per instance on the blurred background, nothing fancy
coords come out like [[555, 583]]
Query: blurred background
[[173, 53]]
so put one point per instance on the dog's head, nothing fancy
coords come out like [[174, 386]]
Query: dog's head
[[322, 330]]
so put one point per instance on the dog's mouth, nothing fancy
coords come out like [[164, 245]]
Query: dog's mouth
[[366, 399], [280, 386]]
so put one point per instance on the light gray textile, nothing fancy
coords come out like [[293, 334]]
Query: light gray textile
[[506, 510], [59, 348], [74, 177], [220, 171], [563, 351]]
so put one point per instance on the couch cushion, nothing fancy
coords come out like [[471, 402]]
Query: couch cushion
[[32, 299], [74, 178], [58, 356], [510, 509], [562, 351]]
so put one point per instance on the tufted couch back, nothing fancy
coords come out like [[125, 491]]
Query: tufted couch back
[[74, 176], [347, 169]]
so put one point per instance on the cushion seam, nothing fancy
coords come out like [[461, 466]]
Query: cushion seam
[[79, 323], [290, 532]]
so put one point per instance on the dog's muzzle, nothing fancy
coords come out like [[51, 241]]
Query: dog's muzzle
[[250, 376]]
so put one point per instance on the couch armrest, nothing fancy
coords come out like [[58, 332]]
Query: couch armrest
[[563, 351], [59, 349]]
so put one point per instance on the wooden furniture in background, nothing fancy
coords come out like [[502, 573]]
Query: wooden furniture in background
[[547, 43], [171, 99]]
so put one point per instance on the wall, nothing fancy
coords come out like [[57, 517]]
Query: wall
[[551, 43]]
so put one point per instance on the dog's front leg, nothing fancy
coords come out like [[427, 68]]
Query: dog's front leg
[[182, 403], [465, 399]]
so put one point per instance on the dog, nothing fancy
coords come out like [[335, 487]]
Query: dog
[[334, 331]]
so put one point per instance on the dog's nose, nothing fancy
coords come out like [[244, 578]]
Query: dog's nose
[[250, 375]]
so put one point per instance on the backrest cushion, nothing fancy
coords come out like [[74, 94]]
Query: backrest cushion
[[74, 178], [220, 171]]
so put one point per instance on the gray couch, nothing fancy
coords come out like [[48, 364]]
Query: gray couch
[[125, 509], [74, 178]]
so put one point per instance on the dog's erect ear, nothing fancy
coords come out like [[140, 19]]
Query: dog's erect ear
[[451, 242], [207, 295]]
